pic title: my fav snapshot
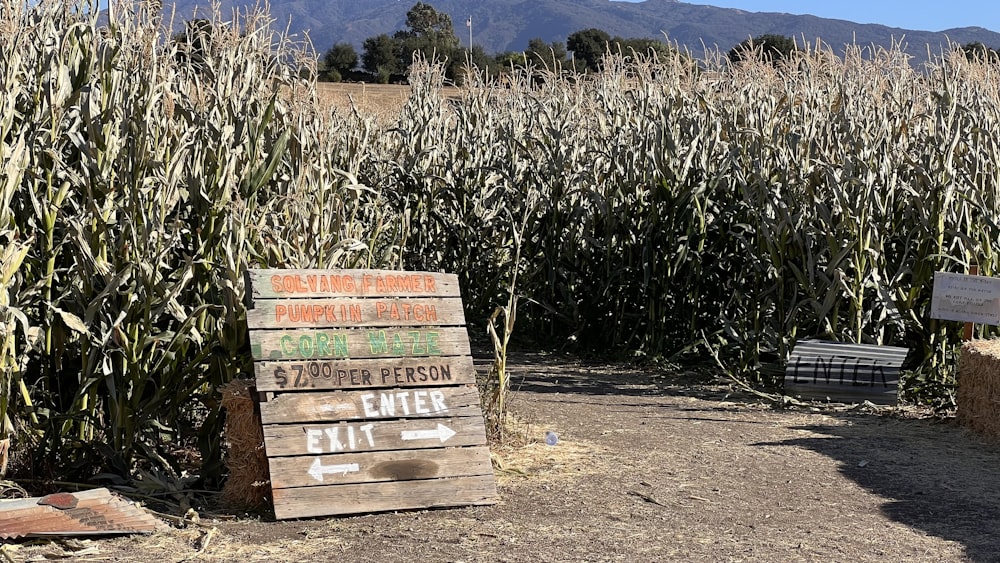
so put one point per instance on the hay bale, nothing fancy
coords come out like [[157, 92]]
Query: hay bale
[[978, 397], [249, 485]]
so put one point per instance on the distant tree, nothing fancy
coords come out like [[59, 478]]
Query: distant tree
[[641, 46], [381, 57], [772, 48], [546, 55], [340, 60], [428, 33], [589, 47], [509, 59], [423, 19], [482, 61], [431, 34], [976, 51]]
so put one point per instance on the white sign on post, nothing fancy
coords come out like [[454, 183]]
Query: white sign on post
[[970, 299]]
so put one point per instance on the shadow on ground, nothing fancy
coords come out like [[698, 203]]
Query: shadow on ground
[[539, 373], [935, 477]]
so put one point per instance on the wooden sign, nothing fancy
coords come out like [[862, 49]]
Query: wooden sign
[[971, 299], [369, 397]]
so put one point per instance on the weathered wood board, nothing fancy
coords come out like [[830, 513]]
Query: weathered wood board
[[311, 438], [271, 284], [371, 405], [294, 313], [361, 374], [329, 500], [368, 395], [374, 467], [304, 344]]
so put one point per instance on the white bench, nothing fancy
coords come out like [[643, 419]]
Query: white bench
[[840, 371]]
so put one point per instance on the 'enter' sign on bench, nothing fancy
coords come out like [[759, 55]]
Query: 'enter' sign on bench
[[840, 371]]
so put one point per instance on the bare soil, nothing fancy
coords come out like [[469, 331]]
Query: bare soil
[[657, 465]]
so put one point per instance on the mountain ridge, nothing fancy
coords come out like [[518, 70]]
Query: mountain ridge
[[507, 25]]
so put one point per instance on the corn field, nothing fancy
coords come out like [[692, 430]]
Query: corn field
[[659, 208]]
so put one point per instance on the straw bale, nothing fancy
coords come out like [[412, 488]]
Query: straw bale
[[248, 486], [978, 396]]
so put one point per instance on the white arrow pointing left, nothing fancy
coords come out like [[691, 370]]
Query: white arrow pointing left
[[317, 469], [342, 407]]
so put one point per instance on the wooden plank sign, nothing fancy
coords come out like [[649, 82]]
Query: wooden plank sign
[[369, 400]]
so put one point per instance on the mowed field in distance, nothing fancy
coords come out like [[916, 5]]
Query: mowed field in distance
[[374, 99]]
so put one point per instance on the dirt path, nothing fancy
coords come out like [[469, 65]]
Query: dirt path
[[649, 468]]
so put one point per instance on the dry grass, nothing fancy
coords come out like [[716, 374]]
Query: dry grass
[[545, 463], [382, 101]]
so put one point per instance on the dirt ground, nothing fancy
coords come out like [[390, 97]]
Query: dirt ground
[[652, 466]]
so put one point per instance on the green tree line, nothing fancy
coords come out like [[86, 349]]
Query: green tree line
[[431, 33]]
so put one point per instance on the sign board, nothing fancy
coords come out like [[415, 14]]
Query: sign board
[[971, 299], [841, 371], [369, 400]]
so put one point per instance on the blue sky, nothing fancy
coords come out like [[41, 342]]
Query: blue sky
[[912, 14]]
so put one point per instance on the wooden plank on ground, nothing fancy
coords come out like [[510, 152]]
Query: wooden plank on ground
[[97, 511], [347, 344], [358, 374], [374, 467], [375, 404], [325, 438], [275, 284], [305, 502], [356, 313]]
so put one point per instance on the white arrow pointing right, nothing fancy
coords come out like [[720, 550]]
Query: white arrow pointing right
[[442, 433]]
